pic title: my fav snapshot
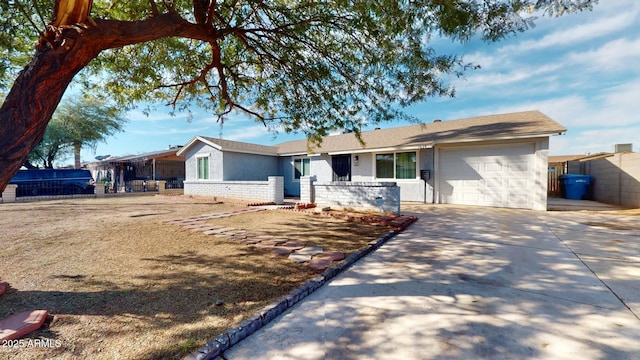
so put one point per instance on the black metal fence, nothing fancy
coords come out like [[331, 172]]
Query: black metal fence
[[149, 185], [51, 188]]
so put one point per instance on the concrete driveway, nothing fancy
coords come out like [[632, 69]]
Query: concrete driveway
[[472, 283]]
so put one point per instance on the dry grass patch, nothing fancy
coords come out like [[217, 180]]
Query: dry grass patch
[[123, 284], [624, 212]]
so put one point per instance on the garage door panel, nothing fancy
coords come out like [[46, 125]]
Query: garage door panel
[[522, 200], [518, 167], [493, 167], [493, 176], [518, 184], [470, 196], [493, 183], [463, 170], [471, 183]]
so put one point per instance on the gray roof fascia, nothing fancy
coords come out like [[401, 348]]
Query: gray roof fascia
[[193, 141], [385, 149], [496, 138]]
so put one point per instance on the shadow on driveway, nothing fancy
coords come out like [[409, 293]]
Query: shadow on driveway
[[473, 283]]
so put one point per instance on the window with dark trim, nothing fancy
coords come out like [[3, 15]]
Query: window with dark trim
[[406, 165], [341, 165], [301, 168], [396, 165], [384, 166]]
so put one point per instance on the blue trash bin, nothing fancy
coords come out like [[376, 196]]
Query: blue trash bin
[[575, 187]]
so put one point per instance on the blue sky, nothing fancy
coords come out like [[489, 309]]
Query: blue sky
[[582, 70]]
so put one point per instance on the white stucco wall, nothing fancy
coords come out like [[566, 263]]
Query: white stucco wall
[[411, 189], [541, 174], [215, 162], [240, 166], [363, 170]]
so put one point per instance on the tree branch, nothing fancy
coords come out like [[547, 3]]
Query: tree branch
[[154, 8], [113, 34]]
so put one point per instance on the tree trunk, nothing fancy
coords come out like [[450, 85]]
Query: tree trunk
[[37, 91], [76, 155]]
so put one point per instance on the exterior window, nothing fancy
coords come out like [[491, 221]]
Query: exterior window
[[396, 166], [384, 166], [301, 168], [406, 165], [203, 168]]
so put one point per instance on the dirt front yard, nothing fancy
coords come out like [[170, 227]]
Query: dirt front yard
[[122, 283]]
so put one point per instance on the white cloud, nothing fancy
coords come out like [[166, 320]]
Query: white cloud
[[163, 131], [553, 61], [154, 116], [618, 54], [624, 96], [593, 124], [583, 33], [497, 80], [614, 106], [244, 133], [594, 141]]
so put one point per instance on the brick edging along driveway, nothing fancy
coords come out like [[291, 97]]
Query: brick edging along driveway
[[215, 347]]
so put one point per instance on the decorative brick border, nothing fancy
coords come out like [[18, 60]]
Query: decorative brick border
[[398, 222], [261, 203], [323, 260], [215, 347]]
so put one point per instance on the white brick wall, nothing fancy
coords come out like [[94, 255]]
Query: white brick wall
[[9, 194], [306, 189], [276, 189], [358, 195], [264, 191]]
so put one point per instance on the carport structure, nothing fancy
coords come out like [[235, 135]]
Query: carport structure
[[132, 172]]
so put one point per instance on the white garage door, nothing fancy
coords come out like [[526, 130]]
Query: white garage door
[[492, 176]]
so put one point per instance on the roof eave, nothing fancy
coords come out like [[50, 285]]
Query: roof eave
[[500, 138], [251, 152], [384, 149], [193, 141], [431, 144]]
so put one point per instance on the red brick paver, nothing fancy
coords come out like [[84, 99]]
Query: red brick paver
[[330, 255], [320, 263], [20, 324], [280, 250]]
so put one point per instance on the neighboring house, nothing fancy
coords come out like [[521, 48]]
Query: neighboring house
[[139, 172], [496, 160]]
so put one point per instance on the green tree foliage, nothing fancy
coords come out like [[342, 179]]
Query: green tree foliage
[[304, 66], [75, 125], [54, 146]]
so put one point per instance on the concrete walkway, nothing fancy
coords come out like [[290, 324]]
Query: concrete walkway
[[560, 204], [474, 283]]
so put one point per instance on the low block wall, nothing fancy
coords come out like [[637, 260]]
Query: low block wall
[[9, 194], [358, 195], [616, 179], [267, 191]]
